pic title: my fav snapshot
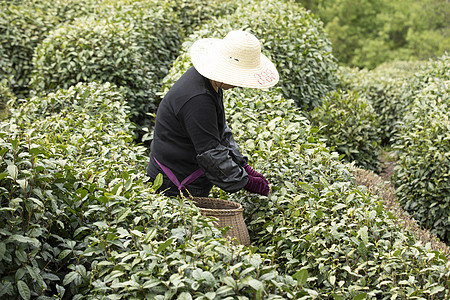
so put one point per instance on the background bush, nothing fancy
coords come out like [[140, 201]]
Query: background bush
[[365, 34], [350, 125], [129, 44], [422, 174], [389, 88], [23, 25], [194, 13]]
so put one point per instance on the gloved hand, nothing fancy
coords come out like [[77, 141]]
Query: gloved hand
[[257, 185], [251, 172]]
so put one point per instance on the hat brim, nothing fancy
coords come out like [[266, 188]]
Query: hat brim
[[205, 56]]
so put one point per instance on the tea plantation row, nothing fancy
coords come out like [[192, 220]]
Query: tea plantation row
[[79, 220], [411, 101]]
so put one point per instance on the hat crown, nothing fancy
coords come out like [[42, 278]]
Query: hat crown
[[242, 48]]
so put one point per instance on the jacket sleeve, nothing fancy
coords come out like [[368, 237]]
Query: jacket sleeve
[[229, 142], [221, 169]]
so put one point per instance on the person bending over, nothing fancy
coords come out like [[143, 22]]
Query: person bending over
[[193, 147]]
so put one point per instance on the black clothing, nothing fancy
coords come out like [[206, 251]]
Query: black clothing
[[191, 132]]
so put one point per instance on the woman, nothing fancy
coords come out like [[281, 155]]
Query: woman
[[192, 141]]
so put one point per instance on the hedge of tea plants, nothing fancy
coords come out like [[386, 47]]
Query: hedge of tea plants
[[389, 89], [422, 174], [350, 125], [79, 219], [23, 25], [128, 43], [52, 148]]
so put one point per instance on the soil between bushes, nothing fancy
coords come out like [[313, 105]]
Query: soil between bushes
[[381, 185]]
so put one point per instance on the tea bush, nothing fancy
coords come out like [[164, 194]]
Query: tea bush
[[350, 125], [51, 148], [23, 25], [161, 248], [389, 90], [422, 174], [128, 43], [194, 13], [292, 37]]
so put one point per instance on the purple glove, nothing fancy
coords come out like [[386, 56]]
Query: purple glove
[[251, 172], [257, 185]]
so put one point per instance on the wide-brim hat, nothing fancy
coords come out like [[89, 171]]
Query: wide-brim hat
[[235, 60]]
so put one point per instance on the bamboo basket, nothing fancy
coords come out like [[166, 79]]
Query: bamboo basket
[[228, 213]]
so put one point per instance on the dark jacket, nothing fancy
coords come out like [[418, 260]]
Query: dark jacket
[[191, 132]]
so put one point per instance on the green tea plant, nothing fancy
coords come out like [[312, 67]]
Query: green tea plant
[[422, 174], [350, 125], [52, 148], [389, 88], [79, 218], [128, 43], [23, 25], [162, 248], [317, 224], [194, 13]]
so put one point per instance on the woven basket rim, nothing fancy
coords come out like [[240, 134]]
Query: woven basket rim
[[225, 211]]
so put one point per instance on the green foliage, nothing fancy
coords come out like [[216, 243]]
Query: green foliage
[[47, 172], [389, 88], [317, 222], [367, 33], [23, 25], [422, 174], [78, 218], [5, 96], [350, 125], [171, 251], [194, 13], [128, 44], [302, 56]]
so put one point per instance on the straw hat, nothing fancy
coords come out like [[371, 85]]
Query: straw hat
[[235, 60]]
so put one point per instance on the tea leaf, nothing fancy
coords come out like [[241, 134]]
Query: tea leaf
[[24, 290], [301, 276]]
